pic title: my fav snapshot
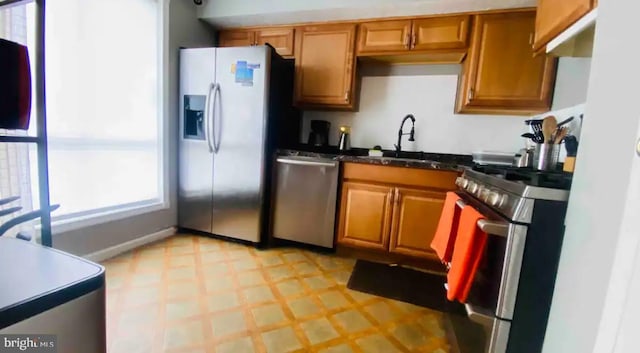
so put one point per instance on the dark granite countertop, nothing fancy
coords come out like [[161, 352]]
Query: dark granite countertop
[[423, 160]]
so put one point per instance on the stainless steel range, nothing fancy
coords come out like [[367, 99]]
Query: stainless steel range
[[512, 290]]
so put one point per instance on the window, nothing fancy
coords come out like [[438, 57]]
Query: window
[[104, 105]]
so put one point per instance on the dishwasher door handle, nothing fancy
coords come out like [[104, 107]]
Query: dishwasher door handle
[[307, 163]]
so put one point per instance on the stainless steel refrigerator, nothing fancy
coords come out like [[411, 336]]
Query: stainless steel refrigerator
[[235, 108]]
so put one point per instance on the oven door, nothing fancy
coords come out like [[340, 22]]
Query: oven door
[[491, 301]]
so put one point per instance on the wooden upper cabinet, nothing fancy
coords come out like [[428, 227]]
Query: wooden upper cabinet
[[279, 38], [325, 66], [426, 34], [554, 16], [415, 219], [501, 74], [384, 36], [236, 38], [440, 33], [365, 215]]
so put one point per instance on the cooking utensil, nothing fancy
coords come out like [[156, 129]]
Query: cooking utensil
[[571, 144], [566, 121], [549, 126], [545, 156], [560, 134], [537, 138]]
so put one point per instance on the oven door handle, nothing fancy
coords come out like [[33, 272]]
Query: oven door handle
[[477, 316], [489, 227]]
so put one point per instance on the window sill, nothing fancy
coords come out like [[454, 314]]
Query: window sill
[[66, 225]]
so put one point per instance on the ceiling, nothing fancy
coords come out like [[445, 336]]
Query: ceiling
[[236, 13]]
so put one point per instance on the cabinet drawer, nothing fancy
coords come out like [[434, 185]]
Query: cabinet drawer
[[427, 178]]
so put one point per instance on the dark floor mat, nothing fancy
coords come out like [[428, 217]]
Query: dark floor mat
[[403, 284]]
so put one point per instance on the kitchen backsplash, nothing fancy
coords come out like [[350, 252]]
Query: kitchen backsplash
[[428, 92]]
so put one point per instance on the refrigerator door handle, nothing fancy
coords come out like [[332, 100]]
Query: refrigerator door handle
[[207, 118], [216, 142]]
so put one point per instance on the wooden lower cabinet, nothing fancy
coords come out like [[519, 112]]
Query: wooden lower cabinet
[[400, 220], [415, 218], [365, 215]]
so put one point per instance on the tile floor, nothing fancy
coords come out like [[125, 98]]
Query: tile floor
[[197, 294]]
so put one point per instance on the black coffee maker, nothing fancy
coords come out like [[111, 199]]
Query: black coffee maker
[[319, 135]]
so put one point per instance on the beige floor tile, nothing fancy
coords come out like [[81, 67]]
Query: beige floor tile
[[217, 284], [181, 273], [290, 287], [303, 307], [182, 261], [222, 301], [280, 273], [259, 294], [142, 296], [245, 264], [183, 290], [382, 312], [228, 323], [352, 321], [334, 300], [306, 268], [183, 334], [411, 336], [317, 282], [252, 278], [319, 330], [268, 315], [376, 344], [294, 257], [182, 309], [189, 293], [271, 260], [281, 340], [240, 345], [341, 348]]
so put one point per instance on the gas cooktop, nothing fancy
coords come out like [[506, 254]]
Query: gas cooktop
[[528, 176]]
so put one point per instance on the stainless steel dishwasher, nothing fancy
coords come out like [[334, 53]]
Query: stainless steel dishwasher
[[305, 200]]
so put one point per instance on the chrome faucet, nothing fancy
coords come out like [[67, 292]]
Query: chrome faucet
[[401, 133]]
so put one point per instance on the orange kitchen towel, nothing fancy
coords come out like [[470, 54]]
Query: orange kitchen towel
[[447, 228], [467, 253]]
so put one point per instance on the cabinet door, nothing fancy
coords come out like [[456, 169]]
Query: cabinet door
[[501, 74], [440, 33], [384, 36], [236, 38], [555, 16], [325, 66], [365, 215], [415, 219], [279, 38]]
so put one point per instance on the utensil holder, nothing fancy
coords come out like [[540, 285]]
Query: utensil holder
[[546, 156]]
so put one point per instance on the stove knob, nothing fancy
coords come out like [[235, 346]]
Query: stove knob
[[472, 187], [495, 199], [483, 194]]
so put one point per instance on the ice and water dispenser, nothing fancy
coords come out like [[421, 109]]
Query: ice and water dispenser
[[194, 107]]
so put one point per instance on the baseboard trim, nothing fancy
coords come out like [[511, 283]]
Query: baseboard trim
[[129, 245]]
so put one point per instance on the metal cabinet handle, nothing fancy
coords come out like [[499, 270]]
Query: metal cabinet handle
[[531, 38], [346, 96], [413, 40], [407, 41], [306, 163], [471, 94]]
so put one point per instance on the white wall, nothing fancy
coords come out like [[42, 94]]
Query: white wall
[[260, 12], [602, 225], [428, 92], [184, 30]]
